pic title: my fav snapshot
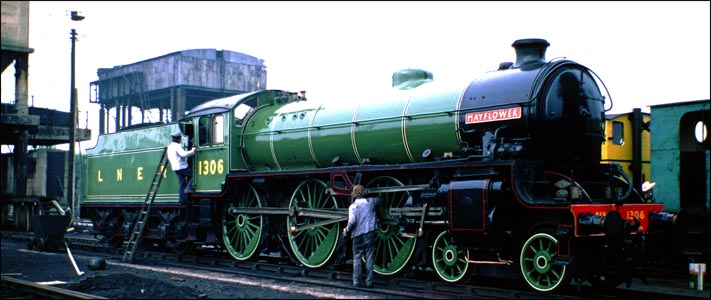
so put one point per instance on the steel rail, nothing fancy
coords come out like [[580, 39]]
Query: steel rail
[[43, 291]]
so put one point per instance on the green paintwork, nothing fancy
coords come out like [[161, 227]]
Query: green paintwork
[[393, 129], [211, 159], [670, 138], [433, 127], [291, 145], [257, 135], [122, 165], [332, 129], [249, 117], [210, 168]]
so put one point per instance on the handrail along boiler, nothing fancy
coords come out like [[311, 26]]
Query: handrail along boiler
[[500, 174]]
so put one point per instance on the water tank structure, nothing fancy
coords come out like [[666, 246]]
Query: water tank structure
[[165, 87]]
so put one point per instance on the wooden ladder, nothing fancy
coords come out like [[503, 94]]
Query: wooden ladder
[[145, 209]]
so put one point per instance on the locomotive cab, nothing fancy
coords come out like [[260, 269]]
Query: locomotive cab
[[207, 131], [217, 129]]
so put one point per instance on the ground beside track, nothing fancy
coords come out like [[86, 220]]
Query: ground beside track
[[132, 281]]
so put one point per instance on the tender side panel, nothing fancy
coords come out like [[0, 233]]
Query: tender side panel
[[126, 177], [122, 165]]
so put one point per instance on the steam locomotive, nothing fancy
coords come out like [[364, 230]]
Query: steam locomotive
[[500, 176]]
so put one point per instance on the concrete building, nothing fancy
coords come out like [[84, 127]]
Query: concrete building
[[172, 84], [30, 176], [22, 125]]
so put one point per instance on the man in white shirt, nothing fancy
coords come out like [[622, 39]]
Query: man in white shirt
[[361, 227], [179, 163]]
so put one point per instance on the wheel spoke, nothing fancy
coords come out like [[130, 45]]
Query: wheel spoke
[[313, 247], [242, 233], [393, 252], [449, 262], [536, 259]]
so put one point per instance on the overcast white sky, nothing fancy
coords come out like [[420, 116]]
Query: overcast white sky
[[645, 52]]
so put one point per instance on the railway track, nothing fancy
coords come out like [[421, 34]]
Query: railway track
[[276, 268], [416, 287], [14, 288]]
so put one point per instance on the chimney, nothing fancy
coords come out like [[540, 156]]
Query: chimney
[[530, 53]]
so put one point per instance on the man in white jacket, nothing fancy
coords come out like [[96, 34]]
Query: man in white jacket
[[178, 158]]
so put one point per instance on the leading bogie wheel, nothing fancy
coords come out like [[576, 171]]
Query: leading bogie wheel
[[536, 262], [448, 260]]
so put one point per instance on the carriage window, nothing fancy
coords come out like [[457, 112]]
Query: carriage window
[[618, 133], [240, 112], [218, 131], [204, 131]]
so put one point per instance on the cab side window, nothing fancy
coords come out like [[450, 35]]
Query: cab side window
[[218, 129], [204, 133]]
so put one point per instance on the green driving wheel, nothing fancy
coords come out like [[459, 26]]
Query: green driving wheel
[[537, 268], [393, 251], [315, 246], [450, 263], [242, 233]]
